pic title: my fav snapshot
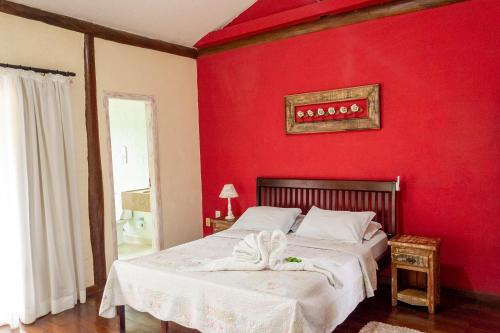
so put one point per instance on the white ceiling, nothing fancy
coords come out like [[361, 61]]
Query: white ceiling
[[182, 22]]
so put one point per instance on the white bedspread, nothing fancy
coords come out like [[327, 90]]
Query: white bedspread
[[242, 301]]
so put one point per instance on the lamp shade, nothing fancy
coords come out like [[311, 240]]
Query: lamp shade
[[228, 191]]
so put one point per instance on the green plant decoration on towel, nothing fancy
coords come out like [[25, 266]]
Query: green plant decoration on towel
[[293, 259]]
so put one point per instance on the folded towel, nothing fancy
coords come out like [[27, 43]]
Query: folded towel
[[248, 250], [266, 251], [277, 247], [310, 265], [278, 262], [245, 260]]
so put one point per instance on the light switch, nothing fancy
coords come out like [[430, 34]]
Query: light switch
[[207, 222], [217, 213], [124, 155]]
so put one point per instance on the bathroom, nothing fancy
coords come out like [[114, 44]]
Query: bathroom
[[128, 128]]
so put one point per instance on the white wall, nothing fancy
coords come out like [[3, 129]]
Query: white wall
[[172, 81], [121, 68], [31, 43]]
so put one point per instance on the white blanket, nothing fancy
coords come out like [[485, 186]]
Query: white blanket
[[367, 263], [363, 254], [240, 301]]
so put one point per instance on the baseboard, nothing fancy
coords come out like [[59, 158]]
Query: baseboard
[[473, 295], [455, 292], [93, 290]]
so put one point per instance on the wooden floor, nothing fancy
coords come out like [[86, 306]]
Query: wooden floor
[[456, 315]]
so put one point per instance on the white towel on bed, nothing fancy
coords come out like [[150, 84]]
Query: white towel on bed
[[248, 249], [250, 254], [265, 251], [278, 262]]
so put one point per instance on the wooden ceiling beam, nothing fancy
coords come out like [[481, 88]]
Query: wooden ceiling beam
[[95, 30], [331, 21]]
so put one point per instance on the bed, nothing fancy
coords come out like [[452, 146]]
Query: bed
[[262, 301]]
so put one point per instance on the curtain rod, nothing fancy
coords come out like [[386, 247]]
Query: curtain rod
[[38, 70]]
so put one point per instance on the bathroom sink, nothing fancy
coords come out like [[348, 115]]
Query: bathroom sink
[[138, 200]]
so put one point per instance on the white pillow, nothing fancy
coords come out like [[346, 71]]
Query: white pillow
[[267, 218], [339, 226], [297, 223], [372, 228]]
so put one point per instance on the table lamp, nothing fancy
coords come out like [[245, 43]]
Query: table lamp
[[228, 191]]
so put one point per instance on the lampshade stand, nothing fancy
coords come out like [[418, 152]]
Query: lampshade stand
[[230, 215]]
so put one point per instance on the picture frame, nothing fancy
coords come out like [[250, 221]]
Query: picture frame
[[346, 109]]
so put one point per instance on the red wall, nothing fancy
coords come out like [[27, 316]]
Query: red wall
[[266, 15], [439, 72]]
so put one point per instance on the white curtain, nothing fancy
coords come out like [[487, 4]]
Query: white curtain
[[41, 264]]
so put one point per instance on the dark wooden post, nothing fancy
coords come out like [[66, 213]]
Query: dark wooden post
[[95, 191]]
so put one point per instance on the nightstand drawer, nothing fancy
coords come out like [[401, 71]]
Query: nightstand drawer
[[411, 257], [220, 226]]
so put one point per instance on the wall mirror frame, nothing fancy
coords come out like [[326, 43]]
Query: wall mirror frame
[[153, 165]]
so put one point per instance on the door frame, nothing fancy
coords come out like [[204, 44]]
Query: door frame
[[153, 165]]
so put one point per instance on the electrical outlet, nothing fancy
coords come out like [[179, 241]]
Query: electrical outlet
[[207, 222], [217, 213]]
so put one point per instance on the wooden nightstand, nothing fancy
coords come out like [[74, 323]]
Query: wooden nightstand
[[415, 270], [220, 223]]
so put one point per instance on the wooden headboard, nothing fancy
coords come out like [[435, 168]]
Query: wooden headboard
[[351, 195]]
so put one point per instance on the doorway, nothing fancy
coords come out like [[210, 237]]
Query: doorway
[[134, 174]]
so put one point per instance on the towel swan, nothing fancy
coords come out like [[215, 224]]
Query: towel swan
[[265, 250], [254, 262], [253, 248]]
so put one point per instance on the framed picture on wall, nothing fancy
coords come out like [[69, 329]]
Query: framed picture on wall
[[345, 109]]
